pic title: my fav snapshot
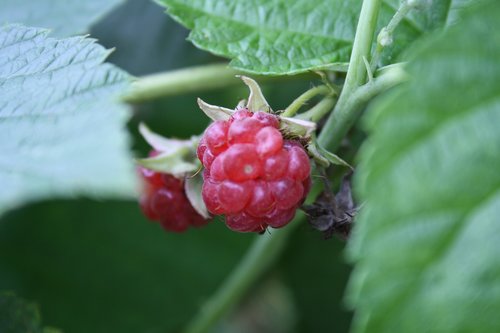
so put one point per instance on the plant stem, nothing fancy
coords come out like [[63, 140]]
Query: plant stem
[[181, 81], [293, 108], [365, 93], [192, 79], [262, 253], [384, 37], [319, 110], [341, 119]]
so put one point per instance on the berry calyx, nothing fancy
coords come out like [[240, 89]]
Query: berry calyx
[[164, 200], [252, 174]]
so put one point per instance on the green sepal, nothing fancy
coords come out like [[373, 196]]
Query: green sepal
[[256, 100], [193, 186], [163, 144], [297, 128], [171, 163], [215, 112], [176, 157], [323, 157]]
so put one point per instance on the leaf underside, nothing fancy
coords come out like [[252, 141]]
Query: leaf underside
[[61, 125], [426, 243], [281, 37]]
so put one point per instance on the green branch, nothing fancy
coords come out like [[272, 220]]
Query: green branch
[[193, 79], [319, 110], [180, 81], [341, 119], [362, 95], [293, 108], [262, 254]]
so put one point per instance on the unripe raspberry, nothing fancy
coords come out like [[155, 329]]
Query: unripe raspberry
[[252, 175], [164, 200]]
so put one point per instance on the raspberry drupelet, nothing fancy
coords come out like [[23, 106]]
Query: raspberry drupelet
[[252, 175], [163, 199]]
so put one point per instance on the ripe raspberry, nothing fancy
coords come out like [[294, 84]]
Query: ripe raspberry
[[252, 175], [164, 200]]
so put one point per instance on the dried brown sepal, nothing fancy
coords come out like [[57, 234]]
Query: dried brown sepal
[[333, 214]]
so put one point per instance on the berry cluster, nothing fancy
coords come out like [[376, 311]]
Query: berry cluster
[[164, 200], [252, 175]]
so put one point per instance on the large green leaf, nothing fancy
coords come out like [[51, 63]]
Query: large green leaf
[[64, 17], [426, 242], [279, 37], [456, 9], [60, 122]]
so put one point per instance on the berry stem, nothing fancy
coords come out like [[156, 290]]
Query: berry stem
[[293, 108], [262, 254], [341, 119], [319, 110]]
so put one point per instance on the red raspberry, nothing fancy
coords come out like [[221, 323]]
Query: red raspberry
[[252, 175], [164, 200]]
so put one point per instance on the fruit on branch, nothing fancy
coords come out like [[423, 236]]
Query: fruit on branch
[[164, 200], [252, 174], [172, 189]]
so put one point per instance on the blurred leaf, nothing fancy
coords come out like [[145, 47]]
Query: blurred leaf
[[275, 37], [63, 17], [426, 242], [317, 274], [429, 16], [61, 125], [457, 7], [18, 316], [138, 55], [103, 268], [268, 308]]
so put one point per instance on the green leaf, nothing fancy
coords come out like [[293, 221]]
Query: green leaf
[[426, 242], [271, 37], [63, 17], [456, 9], [276, 37], [61, 126]]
